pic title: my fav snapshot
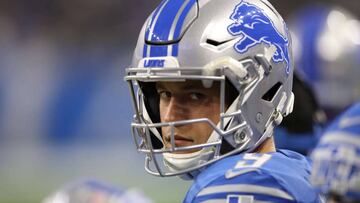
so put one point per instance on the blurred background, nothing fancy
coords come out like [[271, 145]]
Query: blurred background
[[64, 107]]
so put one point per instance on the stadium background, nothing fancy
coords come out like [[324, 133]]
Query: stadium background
[[64, 108]]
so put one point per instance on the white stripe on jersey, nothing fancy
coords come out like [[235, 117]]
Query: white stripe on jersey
[[349, 121], [245, 188], [346, 138]]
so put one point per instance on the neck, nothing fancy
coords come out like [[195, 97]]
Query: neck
[[267, 146]]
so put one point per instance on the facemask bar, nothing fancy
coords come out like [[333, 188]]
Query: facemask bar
[[151, 153], [141, 128], [143, 131], [157, 170]]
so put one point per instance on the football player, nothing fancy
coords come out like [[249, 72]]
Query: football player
[[210, 81], [336, 169]]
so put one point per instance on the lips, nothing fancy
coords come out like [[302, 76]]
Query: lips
[[179, 141]]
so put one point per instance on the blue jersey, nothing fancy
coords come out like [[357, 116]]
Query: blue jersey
[[281, 176]]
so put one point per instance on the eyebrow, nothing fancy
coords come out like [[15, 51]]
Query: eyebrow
[[192, 86], [197, 85]]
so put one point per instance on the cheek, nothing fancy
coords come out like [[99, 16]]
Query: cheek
[[204, 130], [203, 133], [161, 110], [212, 111], [209, 109]]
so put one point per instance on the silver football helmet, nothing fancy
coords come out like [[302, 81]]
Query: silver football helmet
[[242, 45]]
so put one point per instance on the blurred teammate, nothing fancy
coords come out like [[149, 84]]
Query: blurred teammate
[[92, 191], [336, 169], [210, 81], [327, 54], [327, 59]]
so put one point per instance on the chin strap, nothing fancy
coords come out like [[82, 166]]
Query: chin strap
[[181, 162]]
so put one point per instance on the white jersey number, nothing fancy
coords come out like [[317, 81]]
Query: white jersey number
[[249, 163]]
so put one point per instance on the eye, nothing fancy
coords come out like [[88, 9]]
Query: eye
[[164, 94], [196, 96]]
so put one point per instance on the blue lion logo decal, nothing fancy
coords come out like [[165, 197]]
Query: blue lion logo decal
[[256, 27]]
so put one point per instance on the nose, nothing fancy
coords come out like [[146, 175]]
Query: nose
[[174, 110]]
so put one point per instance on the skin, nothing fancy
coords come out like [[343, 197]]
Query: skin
[[190, 100]]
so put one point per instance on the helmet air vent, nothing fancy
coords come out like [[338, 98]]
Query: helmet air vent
[[216, 43], [269, 95]]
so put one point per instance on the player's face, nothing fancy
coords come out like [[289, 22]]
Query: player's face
[[188, 100]]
